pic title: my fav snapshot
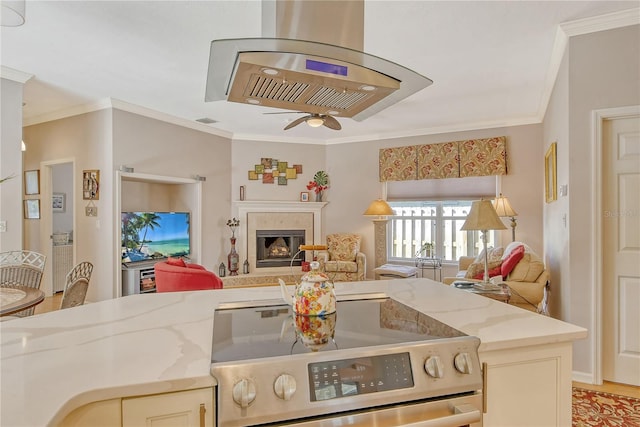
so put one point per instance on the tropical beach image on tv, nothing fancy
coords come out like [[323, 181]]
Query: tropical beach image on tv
[[154, 235]]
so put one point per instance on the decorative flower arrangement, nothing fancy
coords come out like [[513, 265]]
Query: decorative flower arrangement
[[320, 182], [233, 224]]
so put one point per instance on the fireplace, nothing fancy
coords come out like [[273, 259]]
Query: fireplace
[[276, 248]]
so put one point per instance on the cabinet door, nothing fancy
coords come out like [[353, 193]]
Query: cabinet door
[[528, 387], [192, 408]]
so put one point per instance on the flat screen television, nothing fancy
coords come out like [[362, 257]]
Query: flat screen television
[[154, 235]]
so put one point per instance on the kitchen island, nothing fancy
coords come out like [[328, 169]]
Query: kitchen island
[[55, 363]]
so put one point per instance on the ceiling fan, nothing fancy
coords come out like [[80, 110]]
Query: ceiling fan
[[312, 119]]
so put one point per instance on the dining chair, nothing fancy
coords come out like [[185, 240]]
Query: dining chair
[[76, 285], [22, 268]]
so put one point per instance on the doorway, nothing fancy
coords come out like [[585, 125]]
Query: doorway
[[57, 222], [618, 146]]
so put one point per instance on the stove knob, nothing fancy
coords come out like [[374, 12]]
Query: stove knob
[[462, 362], [244, 392], [433, 366], [285, 386]]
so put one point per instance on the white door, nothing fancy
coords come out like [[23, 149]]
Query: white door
[[621, 250]]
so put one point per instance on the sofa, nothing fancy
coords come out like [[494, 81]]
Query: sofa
[[527, 278], [343, 261], [174, 275]]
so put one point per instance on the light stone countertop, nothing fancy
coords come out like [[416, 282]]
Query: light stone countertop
[[154, 343]]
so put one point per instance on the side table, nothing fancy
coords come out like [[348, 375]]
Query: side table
[[433, 263], [503, 294]]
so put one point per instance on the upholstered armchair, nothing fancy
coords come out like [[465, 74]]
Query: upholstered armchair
[[343, 261]]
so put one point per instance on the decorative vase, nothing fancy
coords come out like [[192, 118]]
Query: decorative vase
[[319, 196], [233, 259]]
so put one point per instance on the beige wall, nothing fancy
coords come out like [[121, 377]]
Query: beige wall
[[11, 164], [154, 147], [354, 169], [86, 140], [600, 70]]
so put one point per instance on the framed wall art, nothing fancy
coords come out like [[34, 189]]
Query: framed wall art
[[32, 182], [32, 209], [58, 202], [91, 184], [550, 174], [304, 196]]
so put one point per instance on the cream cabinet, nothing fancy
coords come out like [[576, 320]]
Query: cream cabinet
[[191, 408], [96, 414], [528, 386]]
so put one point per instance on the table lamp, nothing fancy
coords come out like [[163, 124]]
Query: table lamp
[[483, 217], [504, 209]]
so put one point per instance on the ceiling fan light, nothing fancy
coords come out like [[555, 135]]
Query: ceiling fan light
[[315, 122]]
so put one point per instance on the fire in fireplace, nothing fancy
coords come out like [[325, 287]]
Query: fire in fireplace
[[276, 248]]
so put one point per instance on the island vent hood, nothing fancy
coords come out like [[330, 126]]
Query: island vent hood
[[314, 64]]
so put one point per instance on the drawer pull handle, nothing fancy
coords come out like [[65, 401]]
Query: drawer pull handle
[[203, 410]]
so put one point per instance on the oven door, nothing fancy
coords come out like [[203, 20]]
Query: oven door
[[446, 412]]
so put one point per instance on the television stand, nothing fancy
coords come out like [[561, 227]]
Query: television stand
[[139, 277]]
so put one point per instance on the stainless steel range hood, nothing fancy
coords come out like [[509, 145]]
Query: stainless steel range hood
[[314, 64]]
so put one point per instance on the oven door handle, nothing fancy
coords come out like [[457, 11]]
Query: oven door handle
[[462, 415]]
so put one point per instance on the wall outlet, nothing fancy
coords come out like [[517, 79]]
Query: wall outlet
[[3, 226]]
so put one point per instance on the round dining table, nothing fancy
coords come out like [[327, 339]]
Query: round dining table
[[17, 298]]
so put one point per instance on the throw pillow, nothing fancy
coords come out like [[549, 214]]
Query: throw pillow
[[476, 270], [527, 270], [196, 266], [178, 262], [511, 260]]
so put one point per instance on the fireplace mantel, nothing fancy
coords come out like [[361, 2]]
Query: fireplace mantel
[[274, 207]]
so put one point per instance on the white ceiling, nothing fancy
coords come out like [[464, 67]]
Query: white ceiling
[[493, 63]]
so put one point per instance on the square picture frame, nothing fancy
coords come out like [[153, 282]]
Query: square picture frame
[[58, 202], [32, 182], [550, 165], [32, 209], [304, 196]]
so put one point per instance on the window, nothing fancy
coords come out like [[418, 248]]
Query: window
[[416, 223]]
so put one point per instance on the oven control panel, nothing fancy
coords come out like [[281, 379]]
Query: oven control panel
[[272, 389], [350, 377]]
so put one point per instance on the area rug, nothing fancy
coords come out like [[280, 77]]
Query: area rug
[[596, 409]]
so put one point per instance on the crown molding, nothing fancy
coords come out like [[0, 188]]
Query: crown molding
[[168, 118], [609, 21], [15, 75], [128, 107]]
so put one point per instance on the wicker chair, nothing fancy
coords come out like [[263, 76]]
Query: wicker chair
[[77, 283], [21, 268]]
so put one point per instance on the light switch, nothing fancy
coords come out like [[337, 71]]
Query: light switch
[[3, 226], [564, 189]]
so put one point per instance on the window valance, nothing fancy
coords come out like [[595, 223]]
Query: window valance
[[457, 159]]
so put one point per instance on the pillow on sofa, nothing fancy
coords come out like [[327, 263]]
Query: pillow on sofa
[[178, 262], [476, 270], [528, 269], [196, 266], [511, 260]]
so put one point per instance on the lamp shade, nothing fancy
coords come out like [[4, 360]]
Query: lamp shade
[[482, 216], [378, 208], [503, 207]]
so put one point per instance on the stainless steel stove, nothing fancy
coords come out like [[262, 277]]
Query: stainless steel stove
[[375, 362]]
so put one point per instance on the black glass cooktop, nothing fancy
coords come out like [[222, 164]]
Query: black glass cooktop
[[271, 329]]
